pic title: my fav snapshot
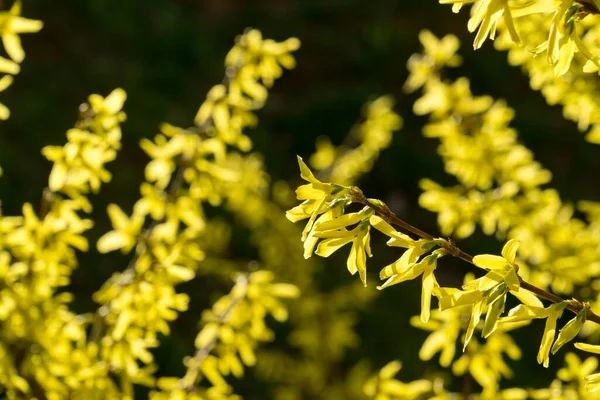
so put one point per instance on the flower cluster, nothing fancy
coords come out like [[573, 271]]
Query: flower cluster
[[567, 22], [232, 330], [38, 254], [567, 31], [500, 184], [189, 169], [322, 322], [48, 351], [12, 24], [330, 226], [253, 64]]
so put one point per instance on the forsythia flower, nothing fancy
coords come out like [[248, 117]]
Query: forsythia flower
[[232, 330], [11, 25], [488, 291], [592, 383], [383, 386], [485, 362], [563, 39], [445, 327], [409, 266], [79, 164], [437, 53], [336, 235], [552, 313], [124, 236], [486, 15], [318, 198], [257, 62]]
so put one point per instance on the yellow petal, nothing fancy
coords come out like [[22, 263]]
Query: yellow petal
[[490, 262], [569, 331], [357, 260], [434, 343], [221, 117], [400, 239], [57, 177], [590, 348], [460, 298], [4, 112], [412, 272], [313, 217], [5, 82], [524, 312], [493, 314], [113, 240], [526, 297], [512, 279], [211, 371], [301, 211], [115, 100], [309, 192], [543, 356], [180, 273], [284, 290], [117, 217], [340, 222], [12, 45], [8, 66], [207, 335], [509, 251], [473, 322], [408, 258], [390, 370], [24, 25], [428, 282], [309, 244], [329, 246], [510, 24], [305, 172]]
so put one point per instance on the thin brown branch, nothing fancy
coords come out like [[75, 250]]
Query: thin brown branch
[[189, 381], [384, 212]]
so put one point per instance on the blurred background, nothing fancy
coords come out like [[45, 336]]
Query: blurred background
[[167, 53]]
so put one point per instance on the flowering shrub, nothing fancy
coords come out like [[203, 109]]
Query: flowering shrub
[[547, 269], [549, 254]]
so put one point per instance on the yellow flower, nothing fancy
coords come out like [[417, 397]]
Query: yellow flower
[[525, 312], [383, 386], [445, 327], [5, 82], [318, 198], [502, 269], [336, 235], [325, 155], [407, 267], [485, 15], [452, 297], [125, 233], [571, 329], [437, 54], [12, 24], [488, 292], [592, 382]]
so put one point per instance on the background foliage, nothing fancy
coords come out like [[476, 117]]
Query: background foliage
[[168, 53]]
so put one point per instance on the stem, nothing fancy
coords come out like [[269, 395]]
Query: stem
[[384, 212], [591, 6], [189, 381]]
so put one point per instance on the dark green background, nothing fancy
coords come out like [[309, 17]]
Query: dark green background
[[167, 54]]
